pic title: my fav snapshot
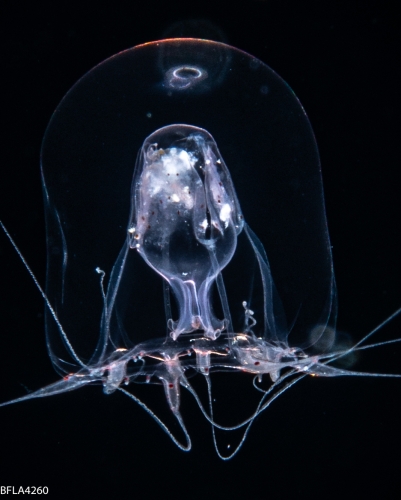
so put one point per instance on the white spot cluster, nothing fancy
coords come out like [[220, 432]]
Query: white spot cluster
[[220, 198], [169, 176]]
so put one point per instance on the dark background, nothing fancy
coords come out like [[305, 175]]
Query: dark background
[[338, 435]]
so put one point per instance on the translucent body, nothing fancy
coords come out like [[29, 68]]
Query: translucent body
[[185, 219], [218, 122]]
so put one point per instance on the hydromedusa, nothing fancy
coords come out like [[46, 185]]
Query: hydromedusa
[[205, 253]]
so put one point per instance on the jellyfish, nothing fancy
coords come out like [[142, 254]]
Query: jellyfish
[[205, 254]]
